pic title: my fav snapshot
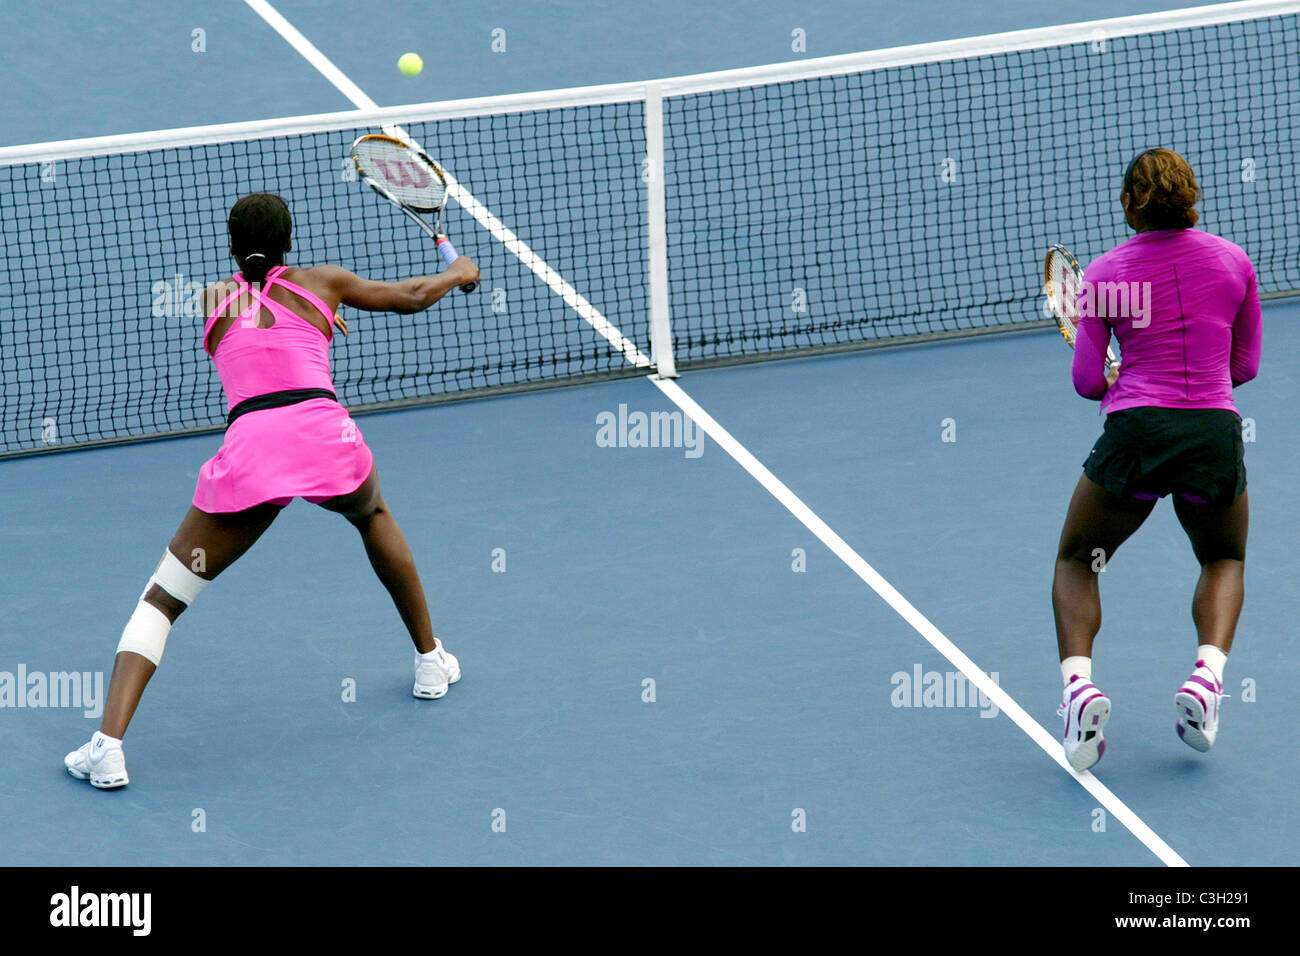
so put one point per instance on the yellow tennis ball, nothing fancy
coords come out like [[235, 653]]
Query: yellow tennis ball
[[410, 64]]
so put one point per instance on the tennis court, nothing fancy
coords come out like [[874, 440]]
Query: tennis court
[[812, 624]]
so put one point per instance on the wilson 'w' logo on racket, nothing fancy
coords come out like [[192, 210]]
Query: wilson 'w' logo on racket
[[404, 174], [1063, 285]]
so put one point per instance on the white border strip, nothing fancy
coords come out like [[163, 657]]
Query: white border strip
[[1117, 808], [321, 122], [371, 115], [993, 43]]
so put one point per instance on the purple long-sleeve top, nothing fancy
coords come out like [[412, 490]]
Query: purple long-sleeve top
[[1184, 306]]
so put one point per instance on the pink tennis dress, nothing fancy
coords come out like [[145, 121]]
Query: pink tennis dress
[[309, 448]]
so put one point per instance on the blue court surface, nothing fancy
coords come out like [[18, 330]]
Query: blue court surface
[[663, 664]]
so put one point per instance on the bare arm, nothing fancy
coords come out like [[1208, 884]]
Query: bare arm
[[409, 295]]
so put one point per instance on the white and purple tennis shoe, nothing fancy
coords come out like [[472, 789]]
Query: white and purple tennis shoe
[[1197, 704], [1086, 710]]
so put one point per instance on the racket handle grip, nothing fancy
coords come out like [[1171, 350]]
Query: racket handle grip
[[450, 255]]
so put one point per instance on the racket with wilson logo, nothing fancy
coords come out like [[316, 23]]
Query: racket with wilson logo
[[405, 175], [1063, 280]]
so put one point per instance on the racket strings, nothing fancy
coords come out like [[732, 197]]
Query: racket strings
[[411, 178], [1063, 284]]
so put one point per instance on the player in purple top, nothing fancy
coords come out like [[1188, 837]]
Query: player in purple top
[[1185, 309]]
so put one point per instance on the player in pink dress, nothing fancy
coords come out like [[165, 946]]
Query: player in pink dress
[[1185, 308], [268, 331]]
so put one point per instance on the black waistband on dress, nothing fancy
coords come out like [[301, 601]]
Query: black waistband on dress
[[290, 396]]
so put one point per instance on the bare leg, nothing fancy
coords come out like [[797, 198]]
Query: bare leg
[[1218, 537], [222, 538], [389, 555], [1096, 524]]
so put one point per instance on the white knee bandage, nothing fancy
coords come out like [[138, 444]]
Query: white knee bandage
[[146, 633], [176, 579]]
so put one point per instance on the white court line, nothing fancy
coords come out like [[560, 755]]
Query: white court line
[[1117, 808], [459, 193]]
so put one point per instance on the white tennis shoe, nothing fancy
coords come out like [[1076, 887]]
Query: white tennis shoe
[[1197, 704], [435, 674], [1086, 710], [100, 762]]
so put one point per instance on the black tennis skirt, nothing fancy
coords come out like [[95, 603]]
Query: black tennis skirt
[[1196, 453]]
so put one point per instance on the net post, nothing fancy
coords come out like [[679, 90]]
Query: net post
[[661, 335]]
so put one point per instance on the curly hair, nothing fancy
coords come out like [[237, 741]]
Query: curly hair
[[259, 226], [1162, 188]]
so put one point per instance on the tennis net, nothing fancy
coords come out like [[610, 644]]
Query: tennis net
[[828, 204]]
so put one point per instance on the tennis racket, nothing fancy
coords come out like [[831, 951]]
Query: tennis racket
[[405, 175], [1063, 279]]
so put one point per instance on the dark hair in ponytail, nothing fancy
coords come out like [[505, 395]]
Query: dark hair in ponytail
[[260, 226]]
